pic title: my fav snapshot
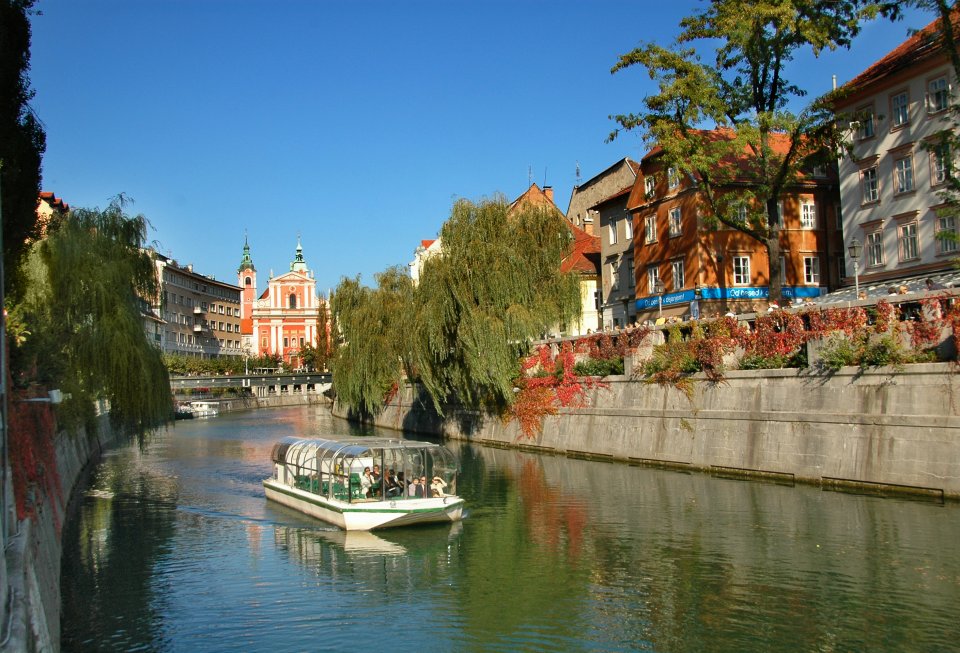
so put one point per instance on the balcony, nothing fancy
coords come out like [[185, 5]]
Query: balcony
[[197, 310]]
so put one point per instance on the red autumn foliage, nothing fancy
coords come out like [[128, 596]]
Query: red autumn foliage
[[32, 429]]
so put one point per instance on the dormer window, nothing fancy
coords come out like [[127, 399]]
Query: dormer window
[[650, 187], [673, 178]]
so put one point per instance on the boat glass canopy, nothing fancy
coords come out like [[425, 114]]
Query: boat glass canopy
[[366, 469]]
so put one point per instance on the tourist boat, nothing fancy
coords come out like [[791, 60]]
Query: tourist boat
[[326, 479], [204, 408]]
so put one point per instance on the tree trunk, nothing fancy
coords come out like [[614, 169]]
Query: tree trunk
[[773, 252]]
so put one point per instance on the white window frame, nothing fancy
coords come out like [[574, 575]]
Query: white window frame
[[780, 222], [673, 178], [653, 276], [900, 110], [675, 266], [612, 232], [650, 229], [649, 187], [628, 228], [783, 270], [940, 168], [742, 213], [741, 270], [614, 276], [903, 181], [865, 129], [808, 214], [675, 221], [908, 241], [938, 94], [870, 185], [811, 270], [873, 249], [946, 223]]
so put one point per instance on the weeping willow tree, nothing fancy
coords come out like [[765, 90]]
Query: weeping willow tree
[[495, 285], [82, 321], [376, 328]]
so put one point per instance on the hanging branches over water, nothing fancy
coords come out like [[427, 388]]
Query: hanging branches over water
[[82, 313], [495, 285]]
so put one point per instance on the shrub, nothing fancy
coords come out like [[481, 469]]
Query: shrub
[[599, 367], [838, 351]]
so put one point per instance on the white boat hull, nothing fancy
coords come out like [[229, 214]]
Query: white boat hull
[[366, 515]]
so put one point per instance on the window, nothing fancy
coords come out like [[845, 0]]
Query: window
[[808, 215], [221, 309], [628, 228], [865, 128], [286, 342], [614, 276], [293, 300], [939, 164], [938, 95], [650, 229], [219, 326], [676, 224], [741, 270], [874, 249], [903, 175], [947, 235], [612, 232], [742, 213], [900, 105], [780, 214], [653, 276], [677, 267], [909, 247], [811, 270], [869, 184], [650, 186], [673, 178], [783, 270]]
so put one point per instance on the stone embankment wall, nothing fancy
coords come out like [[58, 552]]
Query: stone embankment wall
[[884, 428], [33, 553]]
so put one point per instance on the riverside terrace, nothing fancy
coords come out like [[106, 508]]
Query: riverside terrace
[[260, 385]]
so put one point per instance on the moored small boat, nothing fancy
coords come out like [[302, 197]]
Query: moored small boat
[[366, 483], [204, 408]]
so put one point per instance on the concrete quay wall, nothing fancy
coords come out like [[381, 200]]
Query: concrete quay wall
[[32, 555], [885, 429]]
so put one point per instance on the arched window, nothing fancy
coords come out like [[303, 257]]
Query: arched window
[[293, 300], [247, 281]]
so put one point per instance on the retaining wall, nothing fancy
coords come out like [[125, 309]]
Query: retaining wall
[[884, 428]]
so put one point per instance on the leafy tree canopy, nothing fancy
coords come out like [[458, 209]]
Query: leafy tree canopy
[[763, 146], [80, 320], [495, 285]]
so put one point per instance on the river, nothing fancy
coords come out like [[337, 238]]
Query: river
[[174, 548]]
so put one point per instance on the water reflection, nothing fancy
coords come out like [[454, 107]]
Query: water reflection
[[175, 548]]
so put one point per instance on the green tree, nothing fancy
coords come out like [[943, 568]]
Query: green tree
[[84, 284], [22, 140], [495, 285], [763, 147]]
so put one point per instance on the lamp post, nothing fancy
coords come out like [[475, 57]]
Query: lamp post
[[854, 249], [658, 288]]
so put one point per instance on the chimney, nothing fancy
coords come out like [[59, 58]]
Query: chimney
[[548, 191]]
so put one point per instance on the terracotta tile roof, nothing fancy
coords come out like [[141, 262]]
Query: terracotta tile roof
[[55, 202], [780, 143], [923, 45], [426, 243], [585, 256]]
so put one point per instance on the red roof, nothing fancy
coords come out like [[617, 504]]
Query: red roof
[[426, 243], [923, 45], [585, 256], [54, 201]]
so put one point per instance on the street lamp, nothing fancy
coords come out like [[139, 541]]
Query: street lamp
[[659, 288], [854, 249]]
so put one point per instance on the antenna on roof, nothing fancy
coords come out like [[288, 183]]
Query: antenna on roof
[[529, 175], [578, 174], [544, 176]]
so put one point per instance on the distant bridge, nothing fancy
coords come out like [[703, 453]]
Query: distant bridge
[[261, 385]]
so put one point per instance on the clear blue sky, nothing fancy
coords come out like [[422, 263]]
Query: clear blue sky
[[354, 123]]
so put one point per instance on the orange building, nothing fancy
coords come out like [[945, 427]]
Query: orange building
[[686, 266], [285, 317]]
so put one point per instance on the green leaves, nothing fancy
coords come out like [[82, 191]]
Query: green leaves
[[494, 286]]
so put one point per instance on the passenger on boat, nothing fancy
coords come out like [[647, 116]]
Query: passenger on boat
[[436, 487], [366, 482], [392, 486], [375, 476], [415, 489], [422, 487]]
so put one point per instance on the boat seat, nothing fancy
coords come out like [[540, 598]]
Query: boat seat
[[356, 490]]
